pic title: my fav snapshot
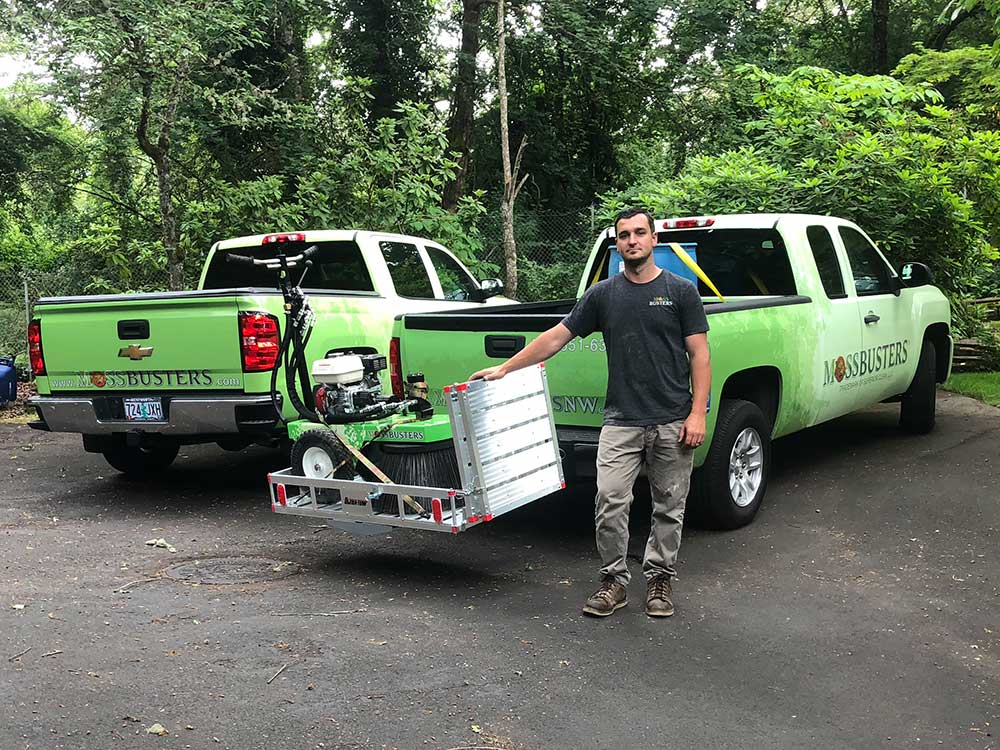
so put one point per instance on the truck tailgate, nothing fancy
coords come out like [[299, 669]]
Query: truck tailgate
[[146, 342]]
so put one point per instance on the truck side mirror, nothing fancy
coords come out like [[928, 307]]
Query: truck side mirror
[[488, 288], [915, 274]]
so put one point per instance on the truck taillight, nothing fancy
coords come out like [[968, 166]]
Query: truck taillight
[[395, 368], [35, 347], [259, 341]]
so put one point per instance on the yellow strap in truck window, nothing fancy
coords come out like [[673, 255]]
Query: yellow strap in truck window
[[688, 261], [758, 282]]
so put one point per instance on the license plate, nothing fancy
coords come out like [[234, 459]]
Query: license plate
[[143, 410]]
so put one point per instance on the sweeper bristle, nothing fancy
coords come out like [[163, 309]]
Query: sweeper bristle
[[428, 464]]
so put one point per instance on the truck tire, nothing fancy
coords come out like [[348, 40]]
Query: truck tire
[[917, 406], [728, 488], [139, 462]]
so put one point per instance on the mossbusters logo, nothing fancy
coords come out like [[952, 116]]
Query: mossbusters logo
[[865, 362], [148, 378], [661, 302]]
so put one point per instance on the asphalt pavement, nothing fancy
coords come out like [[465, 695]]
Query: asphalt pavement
[[861, 609]]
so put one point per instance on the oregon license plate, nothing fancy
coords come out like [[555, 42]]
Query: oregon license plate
[[143, 410]]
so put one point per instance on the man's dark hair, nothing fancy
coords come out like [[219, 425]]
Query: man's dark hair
[[628, 213]]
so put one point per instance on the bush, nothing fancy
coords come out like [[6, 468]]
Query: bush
[[873, 150]]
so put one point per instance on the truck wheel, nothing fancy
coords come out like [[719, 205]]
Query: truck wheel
[[138, 462], [728, 489], [916, 409]]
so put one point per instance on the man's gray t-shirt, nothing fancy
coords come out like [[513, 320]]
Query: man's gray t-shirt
[[644, 327]]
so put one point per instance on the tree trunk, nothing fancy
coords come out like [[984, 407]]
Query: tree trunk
[[880, 37], [168, 221], [940, 36], [509, 250], [159, 153], [460, 125], [511, 184], [384, 93]]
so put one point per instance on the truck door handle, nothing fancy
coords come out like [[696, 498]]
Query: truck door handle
[[871, 318], [503, 346]]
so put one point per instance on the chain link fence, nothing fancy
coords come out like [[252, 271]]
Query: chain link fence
[[551, 248], [15, 301]]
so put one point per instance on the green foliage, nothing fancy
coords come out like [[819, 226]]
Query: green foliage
[[387, 176], [882, 153], [984, 386], [13, 330], [547, 281], [967, 78]]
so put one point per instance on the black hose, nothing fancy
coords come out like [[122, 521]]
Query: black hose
[[291, 360]]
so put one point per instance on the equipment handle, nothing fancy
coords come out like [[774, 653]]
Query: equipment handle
[[244, 260]]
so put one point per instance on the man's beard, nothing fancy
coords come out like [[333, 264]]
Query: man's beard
[[636, 264]]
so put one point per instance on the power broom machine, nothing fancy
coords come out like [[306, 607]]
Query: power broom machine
[[365, 460]]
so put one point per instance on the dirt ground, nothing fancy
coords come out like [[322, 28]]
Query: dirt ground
[[861, 609]]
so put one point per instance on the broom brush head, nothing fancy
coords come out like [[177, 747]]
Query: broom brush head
[[429, 464]]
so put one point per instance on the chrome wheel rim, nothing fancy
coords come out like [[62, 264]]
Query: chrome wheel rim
[[746, 467], [317, 463]]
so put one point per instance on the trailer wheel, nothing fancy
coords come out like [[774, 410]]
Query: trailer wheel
[[138, 462], [317, 454], [917, 407], [729, 487]]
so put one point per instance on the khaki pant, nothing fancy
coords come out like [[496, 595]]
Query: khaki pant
[[620, 455]]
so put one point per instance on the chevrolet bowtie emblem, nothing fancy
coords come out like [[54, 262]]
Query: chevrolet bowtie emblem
[[135, 352]]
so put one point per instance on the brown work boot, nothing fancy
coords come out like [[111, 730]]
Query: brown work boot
[[659, 597], [609, 597]]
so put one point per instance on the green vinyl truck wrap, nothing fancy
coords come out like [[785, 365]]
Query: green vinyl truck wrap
[[138, 375], [815, 324]]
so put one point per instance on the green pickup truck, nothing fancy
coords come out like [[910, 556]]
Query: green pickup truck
[[139, 375], [815, 324]]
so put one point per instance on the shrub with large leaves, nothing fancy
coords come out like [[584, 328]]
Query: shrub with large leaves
[[871, 149]]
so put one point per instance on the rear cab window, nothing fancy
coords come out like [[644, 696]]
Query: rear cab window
[[827, 263], [337, 267], [741, 262]]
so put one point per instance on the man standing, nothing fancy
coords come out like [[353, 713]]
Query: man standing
[[655, 333]]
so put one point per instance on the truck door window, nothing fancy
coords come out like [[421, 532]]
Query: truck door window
[[871, 274], [337, 267], [409, 275], [827, 264], [455, 281]]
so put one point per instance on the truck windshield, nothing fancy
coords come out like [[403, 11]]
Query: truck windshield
[[338, 266], [740, 262]]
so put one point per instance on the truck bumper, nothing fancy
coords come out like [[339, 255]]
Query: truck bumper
[[184, 415]]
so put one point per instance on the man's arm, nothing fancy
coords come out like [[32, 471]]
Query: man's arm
[[693, 430], [539, 350]]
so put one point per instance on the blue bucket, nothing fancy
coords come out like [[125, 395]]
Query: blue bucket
[[665, 258], [8, 380]]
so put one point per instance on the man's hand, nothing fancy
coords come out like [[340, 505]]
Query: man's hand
[[693, 431], [490, 373]]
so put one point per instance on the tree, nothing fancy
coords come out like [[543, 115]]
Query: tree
[[882, 153], [385, 41], [463, 100], [513, 181], [138, 65]]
